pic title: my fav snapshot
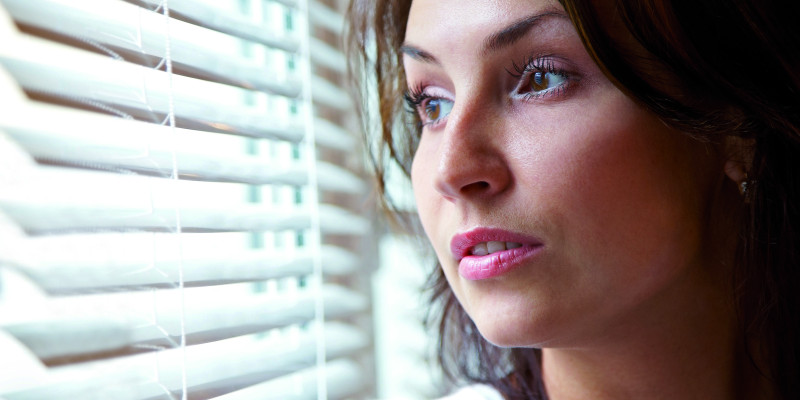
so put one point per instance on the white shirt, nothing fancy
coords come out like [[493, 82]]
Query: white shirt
[[474, 392]]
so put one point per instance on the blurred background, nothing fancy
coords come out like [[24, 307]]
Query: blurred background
[[186, 213]]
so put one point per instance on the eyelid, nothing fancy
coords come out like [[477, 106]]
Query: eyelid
[[416, 94], [437, 92]]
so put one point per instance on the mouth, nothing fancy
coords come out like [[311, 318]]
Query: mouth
[[486, 248], [486, 241], [484, 253]]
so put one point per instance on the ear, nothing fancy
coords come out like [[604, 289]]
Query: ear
[[738, 158]]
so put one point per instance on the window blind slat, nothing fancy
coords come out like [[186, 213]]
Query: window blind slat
[[95, 80], [118, 143], [13, 158], [330, 95], [330, 135], [81, 325], [213, 17], [53, 199], [103, 262], [343, 378], [18, 364], [7, 27], [323, 54], [128, 27], [224, 364], [287, 3], [322, 15], [220, 19]]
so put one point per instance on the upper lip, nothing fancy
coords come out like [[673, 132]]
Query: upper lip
[[461, 243]]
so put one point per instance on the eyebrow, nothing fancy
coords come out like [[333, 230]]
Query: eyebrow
[[494, 42], [514, 32], [418, 54]]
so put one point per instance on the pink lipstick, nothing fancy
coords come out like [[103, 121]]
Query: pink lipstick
[[484, 253]]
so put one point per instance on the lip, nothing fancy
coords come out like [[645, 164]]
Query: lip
[[491, 265]]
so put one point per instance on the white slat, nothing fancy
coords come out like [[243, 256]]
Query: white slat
[[121, 25], [237, 362], [107, 83], [18, 364], [330, 95], [330, 135], [209, 15], [322, 15], [287, 3], [343, 378], [55, 199], [83, 325], [215, 17], [83, 138], [102, 262], [323, 54]]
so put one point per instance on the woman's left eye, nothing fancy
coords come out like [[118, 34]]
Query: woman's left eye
[[436, 109], [540, 77], [542, 81]]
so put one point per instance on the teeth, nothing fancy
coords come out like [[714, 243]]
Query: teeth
[[485, 248], [494, 247], [480, 250]]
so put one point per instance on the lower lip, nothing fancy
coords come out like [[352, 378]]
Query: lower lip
[[475, 268]]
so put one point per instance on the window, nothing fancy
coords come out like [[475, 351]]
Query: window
[[181, 216]]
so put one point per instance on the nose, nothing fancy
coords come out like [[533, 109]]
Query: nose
[[472, 162]]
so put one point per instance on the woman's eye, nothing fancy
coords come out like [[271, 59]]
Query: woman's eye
[[542, 77], [542, 81], [435, 110], [431, 109]]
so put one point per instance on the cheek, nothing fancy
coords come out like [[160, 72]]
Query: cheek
[[434, 211], [422, 176], [629, 194]]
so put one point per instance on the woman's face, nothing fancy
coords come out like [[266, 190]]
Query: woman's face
[[559, 209]]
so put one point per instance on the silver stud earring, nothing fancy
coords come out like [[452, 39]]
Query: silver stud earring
[[746, 189]]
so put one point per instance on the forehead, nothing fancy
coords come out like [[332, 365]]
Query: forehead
[[468, 30], [452, 22]]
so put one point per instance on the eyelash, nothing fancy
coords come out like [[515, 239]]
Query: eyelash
[[415, 98], [546, 64]]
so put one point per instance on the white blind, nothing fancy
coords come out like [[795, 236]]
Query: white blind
[[180, 208]]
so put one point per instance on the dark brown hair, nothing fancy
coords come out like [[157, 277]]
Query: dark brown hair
[[710, 68]]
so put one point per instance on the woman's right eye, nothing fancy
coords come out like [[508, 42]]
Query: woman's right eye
[[431, 109]]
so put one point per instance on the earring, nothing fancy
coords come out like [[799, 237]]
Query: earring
[[746, 189]]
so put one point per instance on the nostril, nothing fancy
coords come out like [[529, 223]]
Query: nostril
[[479, 186], [467, 167]]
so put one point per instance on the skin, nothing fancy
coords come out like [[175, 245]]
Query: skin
[[629, 297]]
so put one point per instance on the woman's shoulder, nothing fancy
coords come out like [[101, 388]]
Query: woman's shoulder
[[474, 392]]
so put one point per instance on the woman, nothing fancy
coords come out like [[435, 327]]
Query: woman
[[610, 187]]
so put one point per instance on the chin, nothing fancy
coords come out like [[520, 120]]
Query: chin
[[508, 331]]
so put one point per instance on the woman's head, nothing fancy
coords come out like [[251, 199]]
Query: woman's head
[[524, 140], [596, 149]]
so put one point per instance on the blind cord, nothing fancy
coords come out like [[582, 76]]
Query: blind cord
[[175, 177], [313, 200]]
